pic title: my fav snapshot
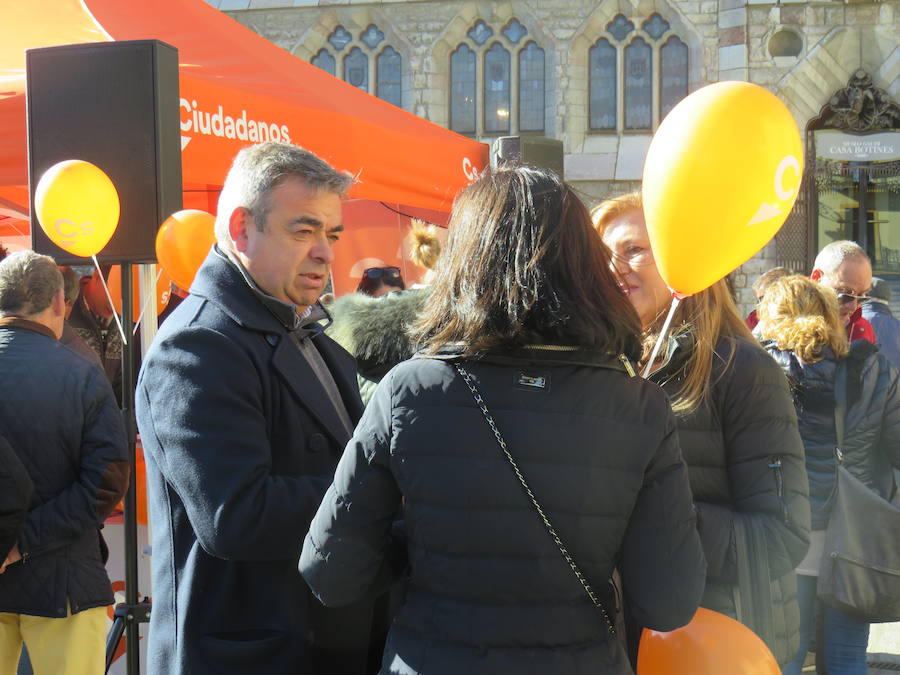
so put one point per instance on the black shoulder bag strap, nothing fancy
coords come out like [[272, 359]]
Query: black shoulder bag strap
[[479, 401]]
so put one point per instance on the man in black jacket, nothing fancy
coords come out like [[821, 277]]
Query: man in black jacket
[[92, 320], [244, 407], [59, 415]]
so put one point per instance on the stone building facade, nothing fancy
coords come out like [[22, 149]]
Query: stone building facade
[[599, 76]]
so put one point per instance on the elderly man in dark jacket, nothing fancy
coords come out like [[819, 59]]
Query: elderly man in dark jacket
[[59, 415], [244, 407]]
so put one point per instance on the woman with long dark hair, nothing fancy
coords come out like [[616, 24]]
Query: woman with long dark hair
[[802, 328], [524, 379], [738, 432]]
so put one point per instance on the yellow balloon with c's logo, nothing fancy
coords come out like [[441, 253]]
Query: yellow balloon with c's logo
[[77, 206], [721, 175]]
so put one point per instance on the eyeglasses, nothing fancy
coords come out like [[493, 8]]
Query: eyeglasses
[[378, 272], [847, 298]]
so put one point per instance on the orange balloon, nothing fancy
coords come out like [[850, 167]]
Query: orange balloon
[[711, 644], [161, 293], [182, 244], [721, 175]]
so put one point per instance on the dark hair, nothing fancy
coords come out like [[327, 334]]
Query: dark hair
[[3, 251], [522, 264], [374, 278]]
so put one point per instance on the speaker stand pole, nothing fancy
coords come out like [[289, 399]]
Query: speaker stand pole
[[131, 613]]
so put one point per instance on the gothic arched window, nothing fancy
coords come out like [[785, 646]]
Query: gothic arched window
[[462, 90], [362, 64], [636, 74], [497, 81]]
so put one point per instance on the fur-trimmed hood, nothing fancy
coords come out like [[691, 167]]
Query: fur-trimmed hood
[[374, 329]]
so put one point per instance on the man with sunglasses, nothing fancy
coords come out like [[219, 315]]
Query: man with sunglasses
[[844, 267]]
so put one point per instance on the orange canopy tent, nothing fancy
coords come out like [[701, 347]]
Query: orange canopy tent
[[237, 88]]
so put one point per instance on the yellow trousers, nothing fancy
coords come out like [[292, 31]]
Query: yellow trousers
[[74, 645]]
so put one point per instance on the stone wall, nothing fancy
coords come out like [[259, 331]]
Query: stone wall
[[727, 39]]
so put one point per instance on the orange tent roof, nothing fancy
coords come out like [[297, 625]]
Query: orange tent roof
[[229, 71]]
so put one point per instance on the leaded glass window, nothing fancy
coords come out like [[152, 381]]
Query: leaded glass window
[[627, 92], [496, 89], [480, 33], [372, 37], [673, 76], [620, 27], [378, 73], [603, 89], [356, 69], [498, 81], [462, 90], [638, 85], [655, 26], [531, 88], [388, 76], [514, 31], [325, 61], [340, 38]]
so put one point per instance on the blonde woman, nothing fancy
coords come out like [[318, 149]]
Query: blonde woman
[[800, 322], [738, 434]]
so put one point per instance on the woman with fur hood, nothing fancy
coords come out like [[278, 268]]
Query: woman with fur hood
[[374, 329]]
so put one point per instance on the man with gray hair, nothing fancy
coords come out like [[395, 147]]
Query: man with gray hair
[[59, 415], [244, 407], [845, 268]]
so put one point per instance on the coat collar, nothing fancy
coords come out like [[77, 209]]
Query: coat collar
[[27, 324], [222, 283], [540, 353]]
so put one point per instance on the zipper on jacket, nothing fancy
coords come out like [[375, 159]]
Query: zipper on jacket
[[775, 465]]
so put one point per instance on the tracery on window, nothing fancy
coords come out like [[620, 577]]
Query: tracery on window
[[365, 62], [636, 75], [497, 81]]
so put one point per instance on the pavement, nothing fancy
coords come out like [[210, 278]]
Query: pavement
[[884, 649]]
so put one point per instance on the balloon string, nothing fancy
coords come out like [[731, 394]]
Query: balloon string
[[150, 296], [109, 297], [662, 335]]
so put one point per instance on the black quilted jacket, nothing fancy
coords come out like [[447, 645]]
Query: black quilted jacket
[[15, 496], [490, 593], [872, 437], [58, 413], [745, 462]]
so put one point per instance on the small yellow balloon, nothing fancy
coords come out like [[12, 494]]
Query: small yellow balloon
[[721, 175], [77, 206]]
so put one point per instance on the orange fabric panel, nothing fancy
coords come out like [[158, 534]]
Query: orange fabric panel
[[231, 77]]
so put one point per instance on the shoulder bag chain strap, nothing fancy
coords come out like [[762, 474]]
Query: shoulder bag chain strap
[[467, 378]]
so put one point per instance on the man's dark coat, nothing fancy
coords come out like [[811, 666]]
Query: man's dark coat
[[241, 442]]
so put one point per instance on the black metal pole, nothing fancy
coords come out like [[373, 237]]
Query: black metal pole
[[132, 653]]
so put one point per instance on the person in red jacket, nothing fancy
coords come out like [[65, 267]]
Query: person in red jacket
[[845, 267]]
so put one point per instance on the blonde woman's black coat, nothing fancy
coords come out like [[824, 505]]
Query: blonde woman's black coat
[[745, 461]]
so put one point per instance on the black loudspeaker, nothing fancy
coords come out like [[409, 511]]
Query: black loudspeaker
[[539, 151], [114, 104]]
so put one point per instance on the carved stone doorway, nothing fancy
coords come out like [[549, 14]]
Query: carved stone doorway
[[852, 180]]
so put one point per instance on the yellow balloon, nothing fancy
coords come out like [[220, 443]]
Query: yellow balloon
[[77, 206], [721, 175]]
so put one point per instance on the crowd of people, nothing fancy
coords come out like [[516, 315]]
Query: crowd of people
[[507, 495]]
